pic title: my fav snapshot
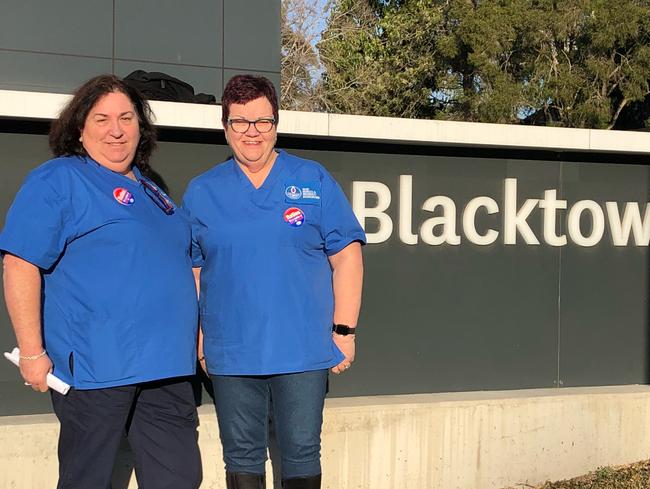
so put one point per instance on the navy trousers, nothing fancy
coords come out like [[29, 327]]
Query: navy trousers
[[295, 401], [160, 421]]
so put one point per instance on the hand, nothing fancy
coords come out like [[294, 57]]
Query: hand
[[203, 364], [347, 346], [35, 372]]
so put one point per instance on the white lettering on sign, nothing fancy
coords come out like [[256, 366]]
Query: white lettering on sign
[[469, 220], [359, 191], [405, 210], [597, 223], [631, 221], [516, 219], [441, 228], [446, 222], [551, 205]]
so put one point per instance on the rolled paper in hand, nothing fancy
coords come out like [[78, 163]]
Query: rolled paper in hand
[[53, 382]]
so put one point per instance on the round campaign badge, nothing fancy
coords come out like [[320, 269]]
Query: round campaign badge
[[292, 192], [123, 196], [294, 217]]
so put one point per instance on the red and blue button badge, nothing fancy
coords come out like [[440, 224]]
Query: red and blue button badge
[[123, 196], [294, 217]]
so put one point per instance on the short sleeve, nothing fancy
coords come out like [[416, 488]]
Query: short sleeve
[[339, 225], [37, 227], [188, 204]]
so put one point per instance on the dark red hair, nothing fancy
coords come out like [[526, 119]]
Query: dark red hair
[[242, 89]]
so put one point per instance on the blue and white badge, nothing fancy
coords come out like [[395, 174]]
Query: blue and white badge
[[292, 192], [302, 193]]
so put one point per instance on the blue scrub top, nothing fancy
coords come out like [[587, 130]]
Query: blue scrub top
[[119, 299], [266, 283]]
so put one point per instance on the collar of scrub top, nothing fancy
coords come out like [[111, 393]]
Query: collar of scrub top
[[152, 190], [262, 197]]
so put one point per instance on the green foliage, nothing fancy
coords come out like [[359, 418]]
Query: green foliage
[[578, 63], [591, 60], [377, 58], [481, 50]]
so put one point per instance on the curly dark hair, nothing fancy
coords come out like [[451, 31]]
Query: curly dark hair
[[66, 130], [242, 89]]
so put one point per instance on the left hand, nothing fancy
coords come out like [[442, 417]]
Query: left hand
[[347, 346]]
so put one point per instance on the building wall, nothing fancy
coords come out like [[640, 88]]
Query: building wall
[[55, 46], [478, 440], [451, 317], [442, 311]]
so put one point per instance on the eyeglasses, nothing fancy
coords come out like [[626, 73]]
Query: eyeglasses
[[262, 125], [158, 197]]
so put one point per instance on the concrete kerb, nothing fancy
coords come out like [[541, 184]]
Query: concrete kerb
[[474, 440]]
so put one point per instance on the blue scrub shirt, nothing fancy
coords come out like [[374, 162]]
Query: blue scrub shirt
[[119, 299], [266, 283]]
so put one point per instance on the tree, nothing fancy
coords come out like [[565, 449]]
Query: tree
[[578, 63], [377, 59], [482, 48], [589, 61], [301, 67]]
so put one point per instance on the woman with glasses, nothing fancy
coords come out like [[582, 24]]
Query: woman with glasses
[[277, 251], [99, 289]]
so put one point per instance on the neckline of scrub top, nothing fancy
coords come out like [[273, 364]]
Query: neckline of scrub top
[[260, 196], [102, 168], [270, 178]]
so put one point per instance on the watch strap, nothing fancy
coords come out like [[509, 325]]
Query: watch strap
[[343, 329]]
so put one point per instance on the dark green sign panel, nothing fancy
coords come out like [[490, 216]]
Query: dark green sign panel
[[483, 273]]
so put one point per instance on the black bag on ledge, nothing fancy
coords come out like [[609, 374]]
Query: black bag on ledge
[[160, 86]]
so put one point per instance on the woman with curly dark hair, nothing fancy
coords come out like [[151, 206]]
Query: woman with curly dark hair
[[65, 134], [99, 289]]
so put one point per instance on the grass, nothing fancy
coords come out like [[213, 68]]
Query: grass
[[633, 476]]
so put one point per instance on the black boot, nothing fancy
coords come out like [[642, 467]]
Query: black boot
[[240, 480], [312, 482]]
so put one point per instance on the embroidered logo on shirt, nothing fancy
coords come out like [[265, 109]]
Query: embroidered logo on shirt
[[302, 192], [310, 193], [123, 196], [293, 192], [294, 217]]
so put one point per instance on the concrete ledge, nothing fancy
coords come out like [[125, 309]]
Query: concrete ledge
[[475, 440], [15, 104]]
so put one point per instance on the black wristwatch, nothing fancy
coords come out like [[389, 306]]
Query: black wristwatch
[[343, 329]]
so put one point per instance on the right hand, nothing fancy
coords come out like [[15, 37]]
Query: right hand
[[35, 372]]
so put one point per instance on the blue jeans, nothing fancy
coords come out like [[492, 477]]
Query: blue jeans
[[295, 401]]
